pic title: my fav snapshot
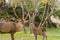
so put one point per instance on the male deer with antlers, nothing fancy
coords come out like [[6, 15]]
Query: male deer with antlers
[[12, 27], [38, 31]]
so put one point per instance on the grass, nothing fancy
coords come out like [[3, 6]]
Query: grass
[[53, 34]]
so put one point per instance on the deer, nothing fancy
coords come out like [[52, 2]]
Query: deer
[[41, 29], [38, 31], [12, 27]]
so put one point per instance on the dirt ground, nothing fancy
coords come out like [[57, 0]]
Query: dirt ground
[[15, 39], [28, 38], [23, 38]]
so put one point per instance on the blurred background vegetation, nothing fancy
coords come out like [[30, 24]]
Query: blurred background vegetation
[[6, 9]]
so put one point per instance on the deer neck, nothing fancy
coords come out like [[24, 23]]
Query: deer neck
[[19, 26]]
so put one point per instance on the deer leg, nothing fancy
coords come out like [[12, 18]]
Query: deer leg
[[44, 35], [25, 30], [12, 36], [35, 37]]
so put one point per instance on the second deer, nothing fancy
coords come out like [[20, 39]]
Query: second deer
[[38, 31]]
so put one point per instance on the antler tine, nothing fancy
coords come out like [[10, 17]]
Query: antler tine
[[27, 15], [51, 13], [26, 9], [15, 13], [46, 19]]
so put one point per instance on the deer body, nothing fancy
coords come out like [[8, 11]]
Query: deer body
[[6, 27], [10, 27], [38, 31]]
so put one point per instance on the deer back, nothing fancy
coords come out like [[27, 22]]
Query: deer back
[[7, 26]]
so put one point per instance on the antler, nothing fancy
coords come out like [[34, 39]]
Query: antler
[[48, 17], [15, 14], [42, 17], [23, 2]]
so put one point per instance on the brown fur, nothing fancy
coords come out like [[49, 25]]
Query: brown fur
[[10, 27], [38, 31]]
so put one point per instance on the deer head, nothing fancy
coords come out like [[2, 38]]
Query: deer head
[[21, 22]]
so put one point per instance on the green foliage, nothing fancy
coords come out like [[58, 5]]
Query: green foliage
[[4, 14], [57, 13]]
